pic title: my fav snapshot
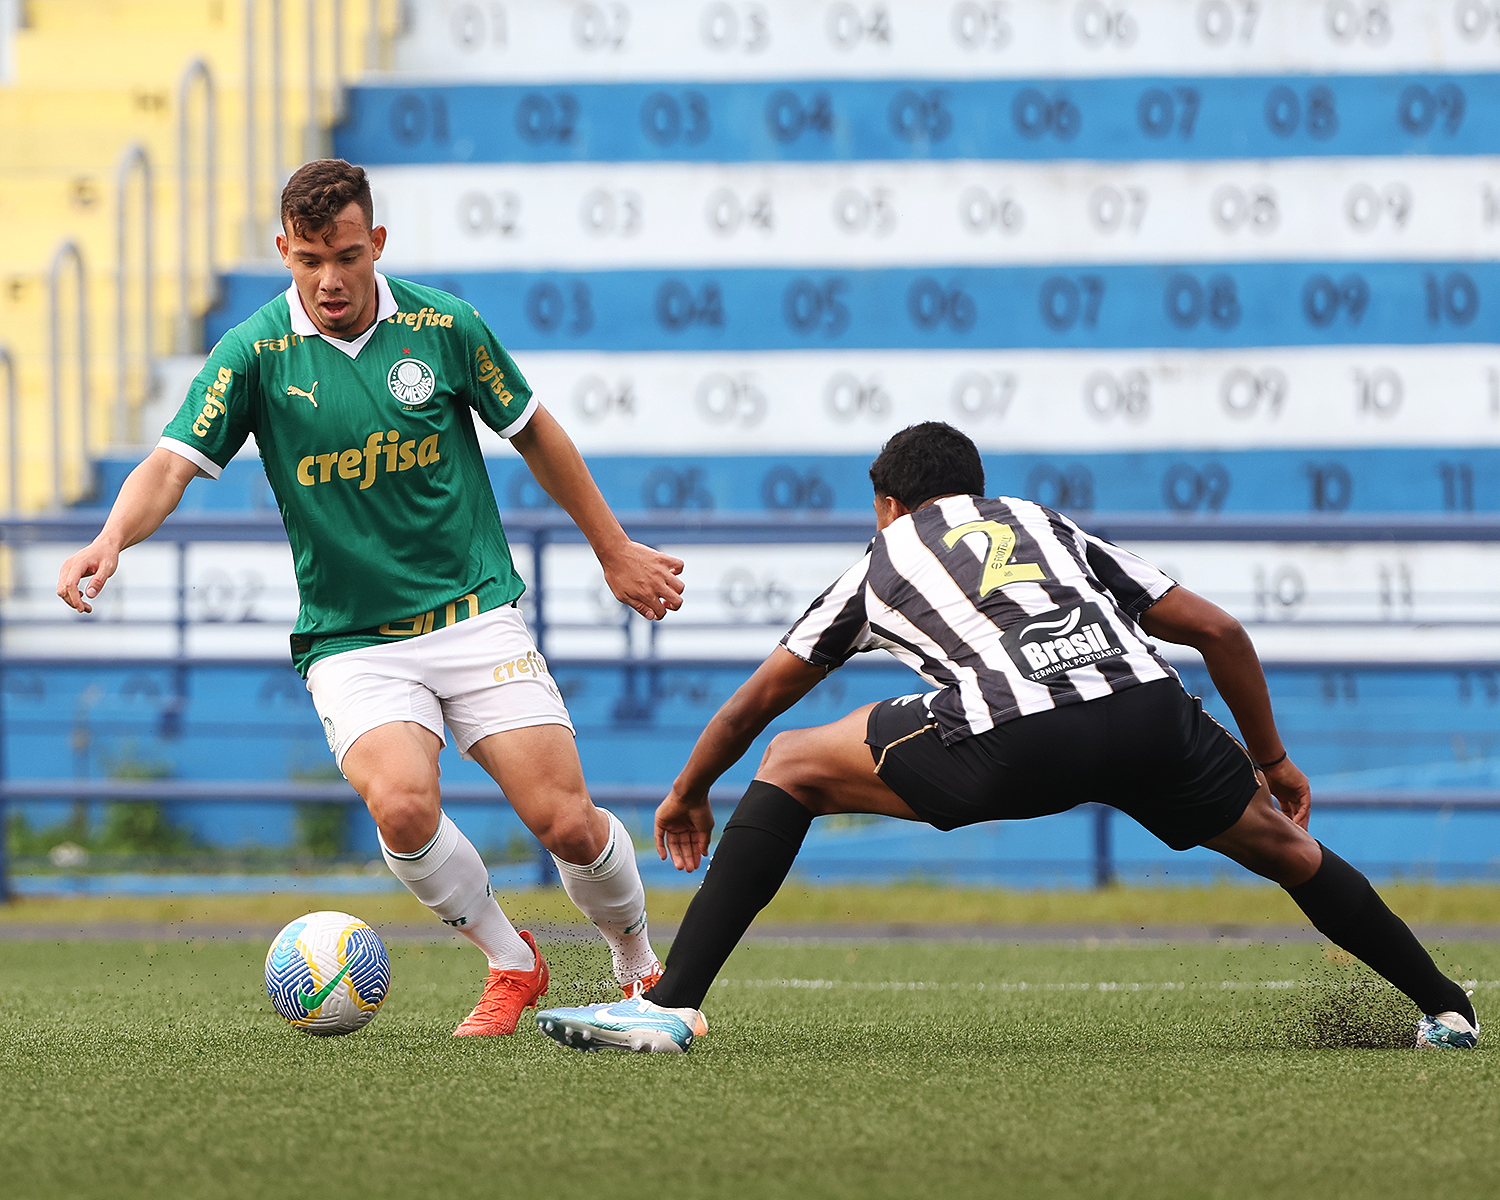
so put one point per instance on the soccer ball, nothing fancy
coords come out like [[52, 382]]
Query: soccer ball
[[328, 973]]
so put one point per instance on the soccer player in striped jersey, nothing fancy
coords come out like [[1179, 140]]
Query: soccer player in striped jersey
[[361, 392], [1046, 693]]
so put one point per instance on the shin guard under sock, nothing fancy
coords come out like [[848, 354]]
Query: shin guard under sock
[[449, 877], [1345, 909], [608, 891], [755, 852]]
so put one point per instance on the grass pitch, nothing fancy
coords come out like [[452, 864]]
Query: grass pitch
[[1224, 904], [831, 1069]]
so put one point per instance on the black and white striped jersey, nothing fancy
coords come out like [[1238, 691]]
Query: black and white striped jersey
[[1004, 606]]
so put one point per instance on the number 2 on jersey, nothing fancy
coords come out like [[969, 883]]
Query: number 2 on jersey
[[1002, 544]]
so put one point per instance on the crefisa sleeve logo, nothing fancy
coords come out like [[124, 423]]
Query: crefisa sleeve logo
[[411, 381], [1051, 643]]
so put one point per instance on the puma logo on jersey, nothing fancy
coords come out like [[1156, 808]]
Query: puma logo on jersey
[[296, 391]]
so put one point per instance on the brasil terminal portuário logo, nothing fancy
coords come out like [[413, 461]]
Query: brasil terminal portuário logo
[[411, 381]]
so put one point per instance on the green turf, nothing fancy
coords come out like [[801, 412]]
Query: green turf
[[160, 1070], [910, 903]]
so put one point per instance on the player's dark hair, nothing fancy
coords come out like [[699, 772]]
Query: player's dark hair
[[927, 460], [316, 194]]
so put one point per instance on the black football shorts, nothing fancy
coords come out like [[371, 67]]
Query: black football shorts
[[1149, 751]]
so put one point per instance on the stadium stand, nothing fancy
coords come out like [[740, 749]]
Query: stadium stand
[[1220, 277], [123, 131]]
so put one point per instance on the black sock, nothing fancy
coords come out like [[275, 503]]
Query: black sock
[[756, 850], [1342, 906]]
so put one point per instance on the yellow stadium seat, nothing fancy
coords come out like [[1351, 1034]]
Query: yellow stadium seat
[[92, 78]]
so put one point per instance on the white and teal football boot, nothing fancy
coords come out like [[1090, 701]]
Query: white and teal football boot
[[1446, 1031], [633, 1024]]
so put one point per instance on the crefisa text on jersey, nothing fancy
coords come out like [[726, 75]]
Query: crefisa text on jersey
[[356, 462], [213, 401], [423, 316]]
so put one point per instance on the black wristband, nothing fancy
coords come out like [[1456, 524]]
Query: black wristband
[[1265, 766]]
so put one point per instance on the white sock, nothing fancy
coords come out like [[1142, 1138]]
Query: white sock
[[608, 891], [448, 876]]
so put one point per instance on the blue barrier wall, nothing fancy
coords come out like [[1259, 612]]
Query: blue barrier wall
[[1377, 728]]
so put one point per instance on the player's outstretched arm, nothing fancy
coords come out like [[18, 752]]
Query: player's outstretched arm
[[639, 576], [1188, 619], [146, 499], [684, 819]]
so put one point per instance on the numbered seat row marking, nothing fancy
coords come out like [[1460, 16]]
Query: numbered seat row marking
[[1309, 601], [1116, 120], [1184, 306], [759, 39], [1453, 585], [670, 214], [850, 402], [1318, 481]]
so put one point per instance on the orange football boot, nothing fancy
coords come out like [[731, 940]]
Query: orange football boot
[[507, 994], [639, 987]]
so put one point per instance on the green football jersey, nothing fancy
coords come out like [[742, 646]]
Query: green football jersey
[[369, 446]]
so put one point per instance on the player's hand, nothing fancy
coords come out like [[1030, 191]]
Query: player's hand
[[683, 824], [645, 579], [1291, 789], [96, 563]]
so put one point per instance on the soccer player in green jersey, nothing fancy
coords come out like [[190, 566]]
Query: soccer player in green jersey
[[361, 392]]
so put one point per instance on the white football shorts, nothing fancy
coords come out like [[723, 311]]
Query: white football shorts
[[482, 676]]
